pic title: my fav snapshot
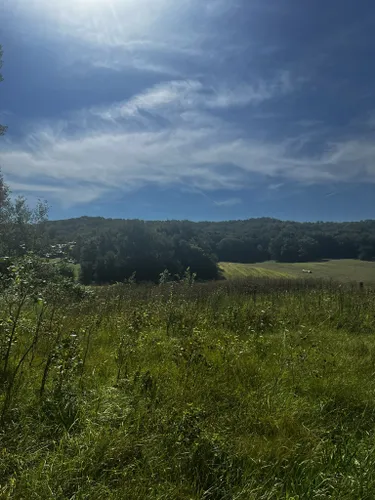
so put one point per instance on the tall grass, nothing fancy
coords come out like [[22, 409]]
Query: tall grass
[[232, 390]]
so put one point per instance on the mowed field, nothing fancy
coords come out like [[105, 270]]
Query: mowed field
[[345, 270]]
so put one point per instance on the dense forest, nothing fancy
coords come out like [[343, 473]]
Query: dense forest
[[112, 250]]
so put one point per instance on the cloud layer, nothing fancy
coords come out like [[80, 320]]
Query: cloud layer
[[170, 135], [225, 107]]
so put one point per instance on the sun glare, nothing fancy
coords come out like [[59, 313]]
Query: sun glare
[[110, 3], [107, 23], [91, 3], [66, 8]]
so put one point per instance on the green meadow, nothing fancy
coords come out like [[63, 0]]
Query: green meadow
[[239, 389], [343, 270]]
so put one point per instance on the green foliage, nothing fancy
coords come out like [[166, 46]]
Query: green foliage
[[138, 248], [32, 292], [252, 389], [22, 228], [109, 250]]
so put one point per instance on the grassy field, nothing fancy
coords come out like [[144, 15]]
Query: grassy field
[[249, 389], [232, 270], [344, 270]]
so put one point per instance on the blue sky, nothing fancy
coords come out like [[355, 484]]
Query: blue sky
[[161, 109]]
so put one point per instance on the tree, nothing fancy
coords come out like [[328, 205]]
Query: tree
[[231, 250], [284, 247], [366, 252], [194, 258], [22, 228], [308, 249], [3, 128]]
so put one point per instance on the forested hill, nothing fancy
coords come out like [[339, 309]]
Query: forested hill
[[110, 249]]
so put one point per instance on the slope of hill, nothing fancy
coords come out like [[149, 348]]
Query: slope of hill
[[344, 270], [232, 270]]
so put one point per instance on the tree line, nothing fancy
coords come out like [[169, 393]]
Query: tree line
[[140, 250], [112, 250]]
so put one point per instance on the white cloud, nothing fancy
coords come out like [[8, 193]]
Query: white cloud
[[276, 186], [230, 202], [175, 93], [120, 148], [185, 95], [205, 158], [168, 135], [67, 195]]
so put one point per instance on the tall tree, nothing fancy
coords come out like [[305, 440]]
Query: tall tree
[[21, 228]]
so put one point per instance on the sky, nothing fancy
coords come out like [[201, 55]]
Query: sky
[[190, 109]]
